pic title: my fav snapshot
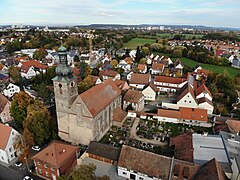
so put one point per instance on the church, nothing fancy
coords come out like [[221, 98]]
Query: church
[[83, 117]]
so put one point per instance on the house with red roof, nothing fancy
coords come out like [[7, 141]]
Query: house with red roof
[[142, 68], [133, 98], [169, 84], [31, 68], [109, 74], [57, 159], [7, 138], [138, 81], [5, 105], [150, 92], [157, 68]]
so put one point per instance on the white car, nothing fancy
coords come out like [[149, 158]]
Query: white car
[[18, 164], [36, 148], [27, 178]]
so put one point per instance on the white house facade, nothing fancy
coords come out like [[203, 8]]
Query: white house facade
[[7, 151], [10, 90]]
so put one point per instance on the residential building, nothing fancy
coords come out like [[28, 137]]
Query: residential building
[[85, 117], [114, 75], [169, 84], [150, 92], [133, 99], [10, 90], [56, 159], [125, 66], [7, 138], [138, 81], [144, 165], [157, 68], [5, 105], [142, 68]]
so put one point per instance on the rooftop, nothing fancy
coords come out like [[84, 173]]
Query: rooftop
[[55, 153], [104, 150]]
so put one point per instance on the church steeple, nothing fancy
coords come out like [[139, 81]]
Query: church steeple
[[63, 70]]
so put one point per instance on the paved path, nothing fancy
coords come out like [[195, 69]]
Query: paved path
[[133, 135]]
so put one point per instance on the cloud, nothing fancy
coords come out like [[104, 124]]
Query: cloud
[[107, 15]]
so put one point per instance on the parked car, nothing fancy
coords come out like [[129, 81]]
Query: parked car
[[18, 164], [27, 178], [36, 148]]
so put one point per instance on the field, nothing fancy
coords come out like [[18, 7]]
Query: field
[[133, 43], [188, 36], [232, 72]]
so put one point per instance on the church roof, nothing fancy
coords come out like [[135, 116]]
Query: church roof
[[100, 96]]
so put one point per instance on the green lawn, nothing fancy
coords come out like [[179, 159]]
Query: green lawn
[[188, 36], [133, 43], [232, 72]]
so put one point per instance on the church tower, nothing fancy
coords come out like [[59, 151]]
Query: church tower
[[66, 91]]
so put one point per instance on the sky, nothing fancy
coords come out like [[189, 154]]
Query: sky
[[218, 13]]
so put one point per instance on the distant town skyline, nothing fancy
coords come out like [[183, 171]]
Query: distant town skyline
[[218, 13]]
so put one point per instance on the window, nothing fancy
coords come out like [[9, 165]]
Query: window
[[10, 149], [12, 133], [185, 101], [2, 157], [52, 169], [38, 163], [124, 173], [190, 101], [11, 155], [40, 171], [45, 165], [47, 174], [140, 178]]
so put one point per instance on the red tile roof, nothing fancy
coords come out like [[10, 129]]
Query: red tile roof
[[171, 80], [35, 64], [169, 113], [56, 153], [183, 146], [144, 162], [201, 89], [140, 78], [4, 135], [109, 73], [76, 72], [203, 100], [157, 66], [103, 94], [119, 115], [210, 170], [133, 96], [142, 67], [193, 114], [3, 102], [185, 113]]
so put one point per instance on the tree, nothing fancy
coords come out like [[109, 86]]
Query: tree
[[85, 85], [40, 53], [114, 63], [146, 50], [15, 75], [177, 53], [157, 47], [19, 106], [95, 72], [201, 57], [138, 55], [83, 67], [83, 172], [143, 61], [20, 146], [37, 121], [127, 53]]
